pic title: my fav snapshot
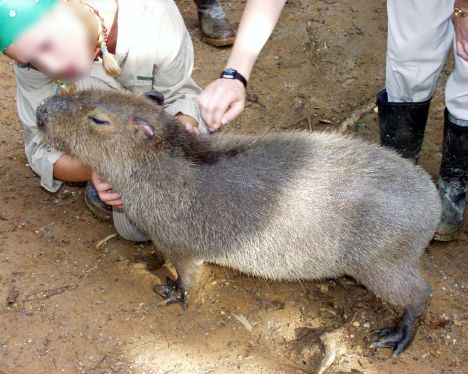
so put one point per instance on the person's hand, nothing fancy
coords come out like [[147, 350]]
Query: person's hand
[[190, 123], [105, 191], [461, 30], [221, 102]]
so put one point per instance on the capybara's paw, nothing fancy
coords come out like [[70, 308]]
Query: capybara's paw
[[171, 293], [397, 338]]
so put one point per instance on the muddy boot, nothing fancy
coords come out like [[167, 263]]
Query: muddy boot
[[402, 125], [453, 179], [214, 25], [95, 204]]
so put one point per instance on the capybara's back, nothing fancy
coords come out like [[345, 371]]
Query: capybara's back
[[325, 199], [283, 205]]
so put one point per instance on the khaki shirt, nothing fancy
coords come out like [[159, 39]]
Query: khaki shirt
[[154, 51]]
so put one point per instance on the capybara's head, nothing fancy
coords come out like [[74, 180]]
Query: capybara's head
[[98, 124]]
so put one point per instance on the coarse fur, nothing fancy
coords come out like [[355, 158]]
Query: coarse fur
[[283, 206]]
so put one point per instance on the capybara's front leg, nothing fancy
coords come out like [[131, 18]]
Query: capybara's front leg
[[188, 271]]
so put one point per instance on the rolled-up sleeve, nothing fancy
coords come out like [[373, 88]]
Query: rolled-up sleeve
[[31, 88]]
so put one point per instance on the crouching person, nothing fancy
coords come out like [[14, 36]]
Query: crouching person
[[63, 46]]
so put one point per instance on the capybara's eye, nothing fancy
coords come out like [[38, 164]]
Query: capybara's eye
[[98, 121]]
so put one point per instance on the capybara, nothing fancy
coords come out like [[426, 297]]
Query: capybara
[[283, 206]]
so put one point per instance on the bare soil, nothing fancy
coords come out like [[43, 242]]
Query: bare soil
[[68, 306]]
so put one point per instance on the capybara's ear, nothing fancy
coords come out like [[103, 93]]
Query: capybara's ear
[[143, 127], [155, 96]]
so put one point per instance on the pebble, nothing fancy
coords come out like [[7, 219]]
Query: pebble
[[356, 324], [366, 325], [323, 288]]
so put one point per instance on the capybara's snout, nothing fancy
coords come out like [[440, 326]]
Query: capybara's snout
[[49, 107]]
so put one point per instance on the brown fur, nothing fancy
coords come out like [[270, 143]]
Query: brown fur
[[281, 205]]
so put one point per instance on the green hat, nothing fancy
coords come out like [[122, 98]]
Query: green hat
[[16, 16]]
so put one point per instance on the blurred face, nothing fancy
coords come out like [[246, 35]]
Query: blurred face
[[58, 45]]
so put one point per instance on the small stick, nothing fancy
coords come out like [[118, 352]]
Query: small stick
[[243, 321], [83, 272], [105, 240], [330, 353], [331, 342], [44, 227], [13, 294], [356, 115], [45, 294]]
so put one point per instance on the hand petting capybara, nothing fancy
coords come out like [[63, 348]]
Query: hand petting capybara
[[283, 206]]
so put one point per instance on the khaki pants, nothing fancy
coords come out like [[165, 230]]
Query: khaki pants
[[420, 36], [125, 228]]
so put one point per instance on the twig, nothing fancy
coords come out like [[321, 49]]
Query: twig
[[44, 227], [331, 341], [356, 115], [45, 294], [105, 240], [13, 294], [99, 363], [243, 321], [83, 272]]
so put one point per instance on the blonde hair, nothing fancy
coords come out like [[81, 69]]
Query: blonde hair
[[98, 36]]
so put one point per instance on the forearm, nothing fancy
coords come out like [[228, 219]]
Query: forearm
[[70, 169], [257, 23]]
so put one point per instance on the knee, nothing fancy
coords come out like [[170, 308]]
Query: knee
[[126, 229], [410, 82]]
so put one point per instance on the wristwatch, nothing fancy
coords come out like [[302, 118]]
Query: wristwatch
[[457, 12], [233, 74]]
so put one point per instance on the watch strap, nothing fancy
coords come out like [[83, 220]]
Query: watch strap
[[233, 74]]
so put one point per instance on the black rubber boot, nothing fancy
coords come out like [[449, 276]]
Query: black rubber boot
[[402, 125], [453, 179], [214, 25]]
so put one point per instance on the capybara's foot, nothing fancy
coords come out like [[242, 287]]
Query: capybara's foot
[[171, 293], [395, 338], [398, 338]]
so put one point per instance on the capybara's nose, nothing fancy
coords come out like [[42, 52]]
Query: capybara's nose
[[41, 115]]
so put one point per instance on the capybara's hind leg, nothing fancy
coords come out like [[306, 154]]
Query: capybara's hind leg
[[399, 338], [402, 286], [413, 293], [188, 271]]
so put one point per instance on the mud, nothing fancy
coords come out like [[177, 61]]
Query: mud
[[70, 306]]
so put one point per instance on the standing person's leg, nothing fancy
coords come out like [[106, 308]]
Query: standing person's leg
[[453, 176], [214, 25], [420, 34]]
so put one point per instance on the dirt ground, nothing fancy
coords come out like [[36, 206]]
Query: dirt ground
[[70, 306]]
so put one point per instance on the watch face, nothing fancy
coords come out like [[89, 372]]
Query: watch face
[[229, 73]]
